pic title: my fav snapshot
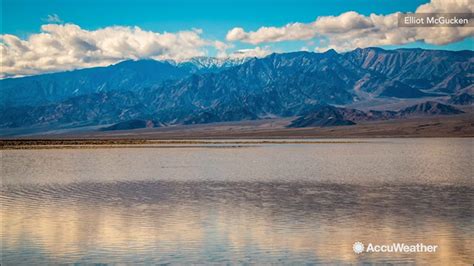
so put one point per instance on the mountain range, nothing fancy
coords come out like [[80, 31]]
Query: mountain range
[[205, 90]]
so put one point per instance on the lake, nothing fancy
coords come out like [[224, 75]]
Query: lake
[[245, 203]]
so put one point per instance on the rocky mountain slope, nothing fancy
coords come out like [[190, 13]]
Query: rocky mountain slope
[[430, 70]]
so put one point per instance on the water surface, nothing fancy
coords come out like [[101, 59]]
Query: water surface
[[277, 203]]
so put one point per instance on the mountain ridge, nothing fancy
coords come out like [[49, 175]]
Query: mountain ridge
[[279, 85]]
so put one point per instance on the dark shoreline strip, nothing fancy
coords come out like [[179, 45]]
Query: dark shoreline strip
[[23, 145]]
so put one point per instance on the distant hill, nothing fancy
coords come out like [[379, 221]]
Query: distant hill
[[462, 99], [429, 108], [326, 115]]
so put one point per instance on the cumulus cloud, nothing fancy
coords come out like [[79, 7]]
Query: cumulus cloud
[[351, 29], [67, 46], [294, 31]]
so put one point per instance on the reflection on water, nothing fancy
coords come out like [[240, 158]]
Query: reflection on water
[[90, 216]]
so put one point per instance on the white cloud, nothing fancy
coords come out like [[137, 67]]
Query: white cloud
[[254, 52], [236, 34], [222, 51], [65, 47], [453, 6], [350, 30], [53, 18], [343, 23], [294, 31], [221, 48]]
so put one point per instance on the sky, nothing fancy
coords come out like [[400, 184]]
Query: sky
[[41, 36]]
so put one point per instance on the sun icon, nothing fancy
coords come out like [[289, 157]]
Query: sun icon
[[358, 247]]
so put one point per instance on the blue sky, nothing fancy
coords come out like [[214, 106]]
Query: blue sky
[[24, 18], [215, 17]]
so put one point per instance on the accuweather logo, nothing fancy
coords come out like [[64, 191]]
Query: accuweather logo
[[359, 247]]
